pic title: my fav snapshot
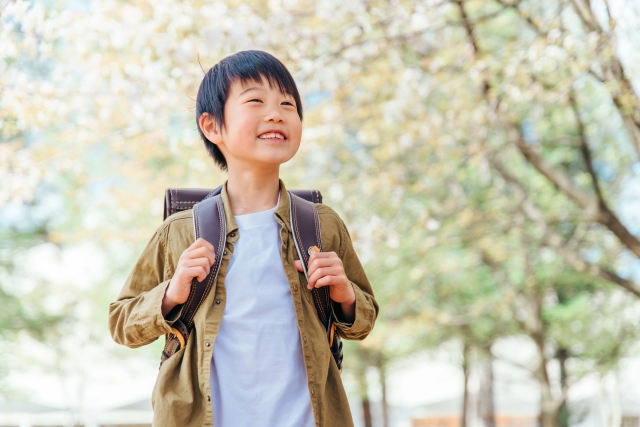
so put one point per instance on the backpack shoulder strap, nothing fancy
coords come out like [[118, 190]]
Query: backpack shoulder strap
[[305, 224], [180, 199], [209, 222]]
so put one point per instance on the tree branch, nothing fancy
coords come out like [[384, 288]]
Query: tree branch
[[516, 364], [612, 22], [584, 148], [565, 390], [595, 207], [465, 22], [614, 353], [585, 15], [557, 178], [534, 25], [628, 108], [554, 240], [469, 28]]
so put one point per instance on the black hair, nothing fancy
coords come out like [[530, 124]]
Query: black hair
[[248, 65]]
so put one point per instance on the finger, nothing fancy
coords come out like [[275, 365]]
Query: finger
[[298, 265], [202, 252], [329, 281], [322, 255], [198, 262], [322, 272], [326, 259], [324, 262], [196, 272], [200, 242]]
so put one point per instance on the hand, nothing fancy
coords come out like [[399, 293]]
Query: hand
[[326, 269], [195, 261]]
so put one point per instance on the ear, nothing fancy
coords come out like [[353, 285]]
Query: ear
[[210, 128]]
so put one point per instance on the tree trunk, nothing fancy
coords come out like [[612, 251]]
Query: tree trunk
[[616, 405], [487, 406], [366, 412], [563, 413], [548, 406], [364, 397], [535, 327], [465, 394], [383, 386]]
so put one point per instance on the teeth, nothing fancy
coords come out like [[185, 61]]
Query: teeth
[[271, 135]]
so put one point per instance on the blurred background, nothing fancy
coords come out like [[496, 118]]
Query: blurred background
[[484, 155]]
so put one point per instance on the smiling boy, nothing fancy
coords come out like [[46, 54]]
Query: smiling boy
[[258, 355]]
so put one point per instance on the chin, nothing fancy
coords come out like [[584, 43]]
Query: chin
[[276, 157], [276, 160], [279, 162]]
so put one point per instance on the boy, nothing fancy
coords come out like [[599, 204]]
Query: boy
[[258, 355]]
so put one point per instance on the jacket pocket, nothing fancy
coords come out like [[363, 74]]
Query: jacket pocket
[[168, 367]]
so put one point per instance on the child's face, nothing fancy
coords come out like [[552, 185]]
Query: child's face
[[261, 129]]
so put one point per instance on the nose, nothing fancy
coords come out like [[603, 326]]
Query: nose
[[274, 115]]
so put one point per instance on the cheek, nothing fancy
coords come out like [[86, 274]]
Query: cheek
[[243, 128], [247, 129], [296, 129]]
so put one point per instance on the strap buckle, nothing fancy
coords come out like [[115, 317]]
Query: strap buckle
[[176, 333]]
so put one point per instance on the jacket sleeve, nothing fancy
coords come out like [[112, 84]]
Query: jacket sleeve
[[367, 309], [135, 318]]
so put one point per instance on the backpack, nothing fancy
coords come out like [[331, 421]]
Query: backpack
[[209, 222]]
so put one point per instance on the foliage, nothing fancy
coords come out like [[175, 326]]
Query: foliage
[[480, 152]]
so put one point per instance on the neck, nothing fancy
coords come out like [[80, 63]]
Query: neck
[[253, 191]]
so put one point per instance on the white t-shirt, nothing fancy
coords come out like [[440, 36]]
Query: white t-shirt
[[258, 376]]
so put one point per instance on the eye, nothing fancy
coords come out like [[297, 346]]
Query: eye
[[255, 99], [288, 103]]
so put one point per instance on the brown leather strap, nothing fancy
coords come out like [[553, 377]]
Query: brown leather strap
[[305, 224], [209, 222], [180, 199]]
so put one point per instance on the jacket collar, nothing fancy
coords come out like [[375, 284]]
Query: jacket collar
[[282, 211]]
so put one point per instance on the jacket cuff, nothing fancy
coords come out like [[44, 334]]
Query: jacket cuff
[[174, 314], [363, 320], [153, 303]]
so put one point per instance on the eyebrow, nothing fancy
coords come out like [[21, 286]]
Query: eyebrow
[[247, 90], [256, 88]]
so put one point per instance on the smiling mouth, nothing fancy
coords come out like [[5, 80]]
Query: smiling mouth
[[272, 135]]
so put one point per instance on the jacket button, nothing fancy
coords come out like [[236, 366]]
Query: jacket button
[[218, 301], [232, 235], [304, 339], [207, 344], [208, 398], [226, 252], [295, 288], [313, 391]]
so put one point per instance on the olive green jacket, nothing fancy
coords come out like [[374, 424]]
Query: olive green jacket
[[182, 393]]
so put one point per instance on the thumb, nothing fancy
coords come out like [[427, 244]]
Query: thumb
[[298, 265]]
